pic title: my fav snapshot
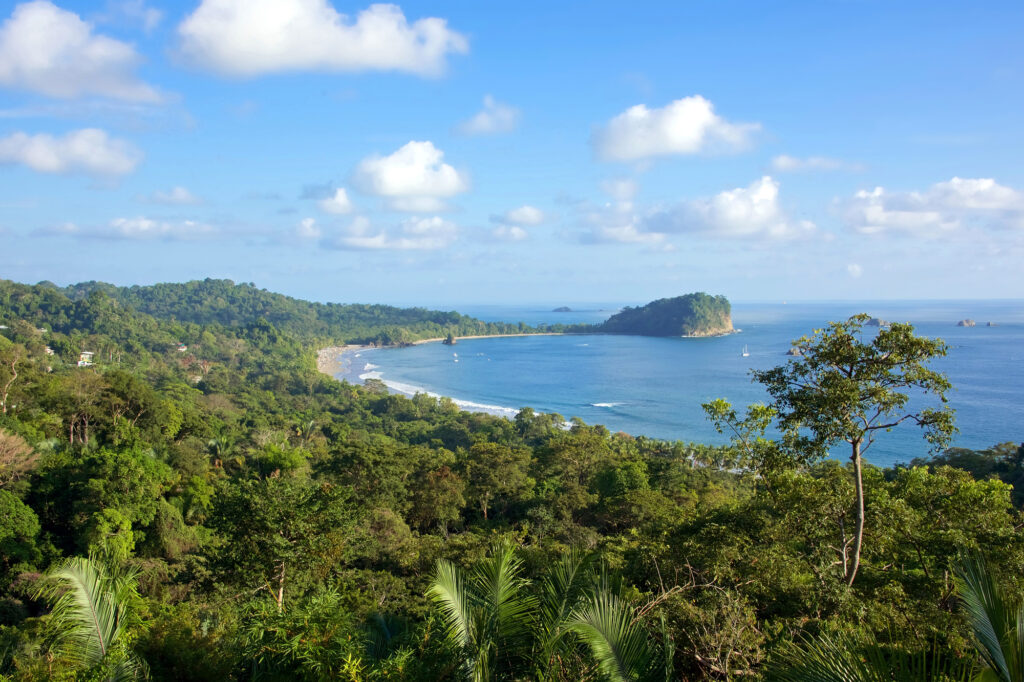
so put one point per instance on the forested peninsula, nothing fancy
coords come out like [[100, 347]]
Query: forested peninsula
[[696, 314], [183, 496]]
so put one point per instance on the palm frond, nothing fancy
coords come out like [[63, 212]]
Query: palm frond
[[561, 590], [998, 625], [508, 608], [618, 643], [449, 592], [846, 659], [90, 612]]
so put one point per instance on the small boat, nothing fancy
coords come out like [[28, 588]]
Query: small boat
[[746, 353]]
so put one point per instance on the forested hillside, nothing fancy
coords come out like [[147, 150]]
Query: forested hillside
[[225, 512], [220, 301]]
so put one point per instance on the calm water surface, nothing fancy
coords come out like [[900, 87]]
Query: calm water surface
[[655, 386]]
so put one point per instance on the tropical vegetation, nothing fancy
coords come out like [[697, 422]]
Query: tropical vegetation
[[200, 503]]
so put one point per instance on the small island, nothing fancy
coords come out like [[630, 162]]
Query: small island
[[692, 315], [966, 323], [562, 309]]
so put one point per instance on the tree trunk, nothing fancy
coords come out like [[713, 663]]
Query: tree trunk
[[7, 386], [280, 589], [858, 536]]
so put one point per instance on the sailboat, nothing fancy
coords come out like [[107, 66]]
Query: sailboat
[[746, 353]]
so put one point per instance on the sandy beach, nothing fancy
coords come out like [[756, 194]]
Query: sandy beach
[[334, 359]]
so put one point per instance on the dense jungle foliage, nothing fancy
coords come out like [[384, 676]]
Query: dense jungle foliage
[[222, 302], [226, 512]]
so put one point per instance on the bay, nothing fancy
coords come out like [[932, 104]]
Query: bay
[[655, 386]]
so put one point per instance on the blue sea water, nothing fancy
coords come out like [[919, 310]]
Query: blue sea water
[[655, 386]]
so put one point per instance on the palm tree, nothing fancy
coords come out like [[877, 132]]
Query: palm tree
[[849, 659], [503, 631], [997, 622], [487, 614], [90, 614]]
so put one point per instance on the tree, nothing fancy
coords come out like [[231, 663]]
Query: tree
[[846, 388], [17, 458], [503, 631], [92, 613], [276, 530], [496, 474], [19, 528], [10, 355]]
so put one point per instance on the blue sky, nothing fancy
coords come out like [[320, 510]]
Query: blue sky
[[443, 153]]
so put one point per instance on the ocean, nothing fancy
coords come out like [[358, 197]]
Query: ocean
[[655, 386]]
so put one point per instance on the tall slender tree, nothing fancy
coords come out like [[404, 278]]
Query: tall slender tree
[[849, 385]]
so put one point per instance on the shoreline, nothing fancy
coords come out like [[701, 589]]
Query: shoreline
[[485, 336], [331, 359], [337, 363]]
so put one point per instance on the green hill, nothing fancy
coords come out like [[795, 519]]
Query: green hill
[[696, 314]]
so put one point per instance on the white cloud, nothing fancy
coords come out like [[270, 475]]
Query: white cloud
[[253, 37], [509, 233], [524, 215], [414, 177], [854, 270], [616, 223], [944, 208], [177, 196], [52, 51], [307, 230], [138, 228], [493, 119], [89, 150], [145, 228], [337, 204], [417, 204], [791, 164], [622, 189], [752, 211], [411, 234], [510, 225], [685, 126]]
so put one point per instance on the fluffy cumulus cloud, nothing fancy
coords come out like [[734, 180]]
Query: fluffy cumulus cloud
[[511, 224], [744, 212], [944, 208], [493, 119], [176, 196], [413, 178], [522, 216], [337, 203], [46, 49], [88, 151], [137, 229], [253, 37], [616, 223], [685, 126], [413, 234], [791, 164], [509, 233]]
